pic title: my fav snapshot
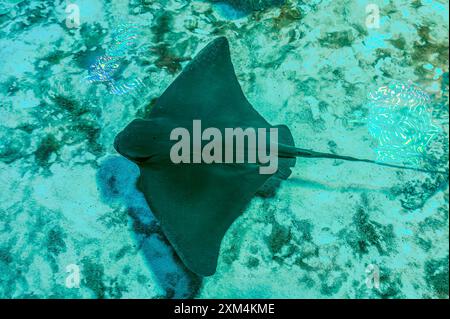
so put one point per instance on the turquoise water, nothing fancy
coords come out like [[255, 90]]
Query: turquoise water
[[73, 224]]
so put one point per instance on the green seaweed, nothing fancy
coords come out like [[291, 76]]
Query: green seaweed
[[115, 289], [390, 284], [167, 60], [5, 255], [286, 17], [304, 229], [161, 27], [93, 277], [89, 131], [232, 251], [55, 245], [69, 104], [116, 218], [279, 237], [331, 282], [338, 39], [252, 262], [368, 233], [55, 241], [427, 50], [47, 146], [437, 276], [399, 43], [122, 252]]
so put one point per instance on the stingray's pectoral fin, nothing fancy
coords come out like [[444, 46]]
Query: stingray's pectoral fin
[[208, 89], [196, 204]]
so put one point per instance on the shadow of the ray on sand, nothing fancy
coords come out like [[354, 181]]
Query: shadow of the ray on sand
[[116, 179]]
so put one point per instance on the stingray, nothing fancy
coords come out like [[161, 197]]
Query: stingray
[[196, 203]]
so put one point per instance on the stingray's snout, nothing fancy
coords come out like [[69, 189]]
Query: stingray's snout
[[132, 142], [117, 140], [120, 146]]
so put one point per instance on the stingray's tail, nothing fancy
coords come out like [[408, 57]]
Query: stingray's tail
[[300, 152]]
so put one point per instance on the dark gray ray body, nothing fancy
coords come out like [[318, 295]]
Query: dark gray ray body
[[197, 203]]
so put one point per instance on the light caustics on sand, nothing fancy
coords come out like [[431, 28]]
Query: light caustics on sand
[[106, 66], [401, 122]]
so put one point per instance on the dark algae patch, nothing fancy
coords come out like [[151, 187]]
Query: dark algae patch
[[366, 233], [437, 276], [252, 262], [47, 146], [279, 237], [70, 105], [93, 277]]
